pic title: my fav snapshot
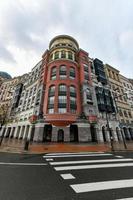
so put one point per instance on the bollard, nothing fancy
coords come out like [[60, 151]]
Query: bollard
[[26, 146]]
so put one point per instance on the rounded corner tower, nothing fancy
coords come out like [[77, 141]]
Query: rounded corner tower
[[62, 91]]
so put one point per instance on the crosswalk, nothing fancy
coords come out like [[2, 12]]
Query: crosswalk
[[82, 171]]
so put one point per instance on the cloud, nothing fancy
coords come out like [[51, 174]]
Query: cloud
[[102, 28], [5, 54]]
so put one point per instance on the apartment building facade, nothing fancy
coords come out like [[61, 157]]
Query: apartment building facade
[[67, 97], [122, 101]]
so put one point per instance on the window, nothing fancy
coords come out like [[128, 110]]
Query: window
[[62, 89], [130, 115], [62, 72], [72, 100], [62, 110], [51, 110], [89, 97], [52, 91], [63, 54], [56, 55], [62, 99], [125, 113], [72, 73], [86, 72], [70, 56], [51, 57], [53, 73], [73, 105], [72, 91], [51, 98]]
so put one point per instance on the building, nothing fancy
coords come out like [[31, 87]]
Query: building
[[107, 122], [68, 109], [66, 98], [128, 114], [25, 105], [124, 114]]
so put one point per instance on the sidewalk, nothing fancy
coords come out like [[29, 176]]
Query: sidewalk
[[17, 146]]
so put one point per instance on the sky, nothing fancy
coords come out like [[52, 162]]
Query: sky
[[103, 28]]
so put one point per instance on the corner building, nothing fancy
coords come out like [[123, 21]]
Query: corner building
[[66, 77]]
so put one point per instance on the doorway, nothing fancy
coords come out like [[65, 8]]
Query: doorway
[[73, 133], [60, 135], [104, 133], [93, 133], [47, 135]]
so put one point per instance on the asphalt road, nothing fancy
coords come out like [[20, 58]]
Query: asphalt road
[[66, 176]]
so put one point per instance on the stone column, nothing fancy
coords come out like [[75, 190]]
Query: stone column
[[84, 133], [29, 133], [39, 130], [21, 132], [108, 135], [100, 135], [25, 132], [16, 131], [54, 134], [66, 134], [115, 136]]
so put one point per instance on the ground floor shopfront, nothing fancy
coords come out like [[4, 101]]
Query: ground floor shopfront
[[77, 132]]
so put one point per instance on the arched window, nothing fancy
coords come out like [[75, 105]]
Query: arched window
[[70, 55], [72, 74], [73, 104], [62, 99], [53, 73], [51, 57], [62, 72], [51, 97], [72, 91], [63, 54], [56, 55]]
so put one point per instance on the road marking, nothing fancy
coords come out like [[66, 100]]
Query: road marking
[[51, 154], [126, 199], [23, 164], [106, 185], [49, 159], [84, 155], [93, 166], [90, 161], [119, 156], [67, 176]]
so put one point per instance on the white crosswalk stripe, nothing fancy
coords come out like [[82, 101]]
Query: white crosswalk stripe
[[73, 153], [76, 155], [92, 160], [106, 185], [93, 166], [125, 199]]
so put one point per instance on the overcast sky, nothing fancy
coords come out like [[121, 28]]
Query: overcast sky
[[104, 28]]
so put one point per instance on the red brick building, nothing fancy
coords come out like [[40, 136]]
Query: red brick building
[[67, 91]]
